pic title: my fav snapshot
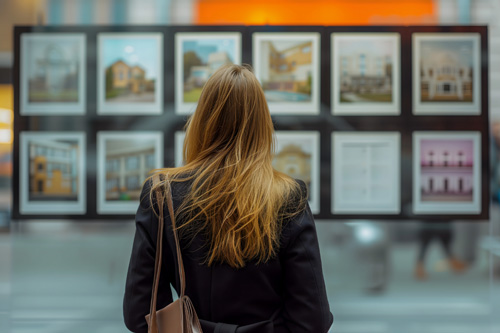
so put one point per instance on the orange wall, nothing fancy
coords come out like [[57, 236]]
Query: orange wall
[[315, 12]]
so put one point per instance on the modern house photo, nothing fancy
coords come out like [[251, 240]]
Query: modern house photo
[[53, 170], [286, 73], [365, 70], [128, 163]]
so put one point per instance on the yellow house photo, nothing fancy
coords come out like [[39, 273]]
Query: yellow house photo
[[123, 79], [294, 162]]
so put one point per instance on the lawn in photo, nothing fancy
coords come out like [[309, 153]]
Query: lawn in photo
[[287, 67], [52, 173], [52, 73], [131, 73], [365, 73], [125, 161], [198, 56], [297, 155]]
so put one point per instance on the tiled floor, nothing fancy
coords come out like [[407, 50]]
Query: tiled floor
[[69, 277]]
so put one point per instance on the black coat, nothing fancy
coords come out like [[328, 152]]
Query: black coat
[[288, 289]]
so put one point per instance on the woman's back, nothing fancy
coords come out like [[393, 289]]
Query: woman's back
[[247, 235], [288, 289]]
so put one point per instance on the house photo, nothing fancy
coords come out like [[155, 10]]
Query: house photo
[[295, 162], [365, 73], [287, 65], [198, 56], [297, 155], [288, 76], [128, 163], [446, 73], [130, 76], [53, 74], [447, 172], [125, 81], [52, 173], [53, 170], [125, 160]]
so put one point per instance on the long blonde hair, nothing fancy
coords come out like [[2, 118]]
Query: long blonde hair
[[236, 199]]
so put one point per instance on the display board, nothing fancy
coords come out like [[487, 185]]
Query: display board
[[381, 122]]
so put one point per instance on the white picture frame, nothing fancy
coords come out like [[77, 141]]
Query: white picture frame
[[221, 43], [357, 57], [52, 173], [366, 174], [439, 50], [123, 55], [126, 177], [300, 143], [443, 187], [37, 72], [288, 99]]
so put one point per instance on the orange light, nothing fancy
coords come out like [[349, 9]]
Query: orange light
[[316, 12]]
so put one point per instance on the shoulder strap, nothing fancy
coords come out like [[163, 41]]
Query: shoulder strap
[[160, 199]]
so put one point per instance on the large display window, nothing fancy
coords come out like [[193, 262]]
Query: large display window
[[385, 122]]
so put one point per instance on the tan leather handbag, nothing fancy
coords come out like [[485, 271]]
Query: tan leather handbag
[[179, 316]]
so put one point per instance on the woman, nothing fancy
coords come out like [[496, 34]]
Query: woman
[[248, 239]]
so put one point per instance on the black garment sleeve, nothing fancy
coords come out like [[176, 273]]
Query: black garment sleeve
[[140, 275], [306, 307]]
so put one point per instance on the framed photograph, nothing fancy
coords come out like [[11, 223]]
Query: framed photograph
[[130, 73], [287, 65], [447, 172], [446, 73], [197, 56], [366, 74], [366, 173], [52, 175], [124, 161], [298, 155], [179, 145], [52, 74]]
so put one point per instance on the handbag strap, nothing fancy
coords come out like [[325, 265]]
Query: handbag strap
[[159, 240]]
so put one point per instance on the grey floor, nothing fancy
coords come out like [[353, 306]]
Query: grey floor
[[69, 277]]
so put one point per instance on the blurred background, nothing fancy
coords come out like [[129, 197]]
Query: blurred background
[[69, 276]]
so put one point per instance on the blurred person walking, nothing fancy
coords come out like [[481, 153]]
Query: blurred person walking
[[442, 231], [247, 234]]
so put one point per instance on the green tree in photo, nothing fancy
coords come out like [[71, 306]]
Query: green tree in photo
[[190, 59], [109, 84]]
